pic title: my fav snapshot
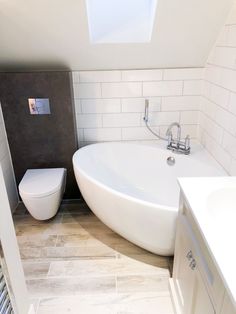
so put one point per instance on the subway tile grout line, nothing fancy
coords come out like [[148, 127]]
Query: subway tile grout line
[[140, 81], [135, 97], [225, 46], [219, 106], [218, 145], [101, 91], [133, 112], [140, 97], [221, 66], [143, 127], [220, 86], [215, 120]]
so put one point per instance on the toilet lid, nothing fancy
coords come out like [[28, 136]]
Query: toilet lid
[[41, 182]]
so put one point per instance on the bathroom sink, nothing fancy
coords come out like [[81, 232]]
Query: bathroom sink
[[221, 205]]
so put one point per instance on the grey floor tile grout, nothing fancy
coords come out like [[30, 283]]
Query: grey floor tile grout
[[46, 277]]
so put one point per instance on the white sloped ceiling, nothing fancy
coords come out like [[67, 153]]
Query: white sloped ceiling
[[53, 34]]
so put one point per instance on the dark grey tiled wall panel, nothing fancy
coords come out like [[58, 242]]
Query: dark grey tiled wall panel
[[40, 141]]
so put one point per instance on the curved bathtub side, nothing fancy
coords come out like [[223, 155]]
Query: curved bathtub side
[[147, 225]]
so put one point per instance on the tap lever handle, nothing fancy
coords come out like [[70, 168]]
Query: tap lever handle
[[170, 137], [187, 141]]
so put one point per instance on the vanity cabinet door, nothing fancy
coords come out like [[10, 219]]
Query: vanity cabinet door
[[183, 278], [201, 302], [190, 290]]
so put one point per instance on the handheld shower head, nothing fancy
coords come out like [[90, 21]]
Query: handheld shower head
[[145, 118]]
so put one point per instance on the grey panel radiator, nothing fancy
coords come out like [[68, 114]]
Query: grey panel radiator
[[5, 301]]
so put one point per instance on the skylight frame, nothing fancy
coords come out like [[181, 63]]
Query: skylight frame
[[120, 21]]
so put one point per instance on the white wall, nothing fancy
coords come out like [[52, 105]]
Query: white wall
[[110, 104], [5, 162], [218, 108], [11, 252], [54, 34]]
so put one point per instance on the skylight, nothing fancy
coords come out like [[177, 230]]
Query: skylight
[[121, 21]]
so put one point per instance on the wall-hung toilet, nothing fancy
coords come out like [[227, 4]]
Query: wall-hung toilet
[[41, 191]]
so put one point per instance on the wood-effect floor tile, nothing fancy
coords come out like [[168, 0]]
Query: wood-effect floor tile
[[143, 283], [35, 270], [73, 263], [51, 287], [104, 267], [139, 303]]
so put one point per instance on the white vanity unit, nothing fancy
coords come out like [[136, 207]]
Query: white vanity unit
[[204, 274]]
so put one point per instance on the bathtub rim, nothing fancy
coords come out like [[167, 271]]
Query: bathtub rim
[[196, 148], [120, 194]]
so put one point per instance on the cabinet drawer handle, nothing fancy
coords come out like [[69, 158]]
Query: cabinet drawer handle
[[189, 255], [193, 264]]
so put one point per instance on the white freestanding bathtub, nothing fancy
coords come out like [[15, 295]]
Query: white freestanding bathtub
[[133, 190]]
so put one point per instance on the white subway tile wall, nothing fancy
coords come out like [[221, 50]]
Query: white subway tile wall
[[110, 104], [6, 164], [217, 119]]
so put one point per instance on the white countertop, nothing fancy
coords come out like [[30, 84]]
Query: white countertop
[[213, 204]]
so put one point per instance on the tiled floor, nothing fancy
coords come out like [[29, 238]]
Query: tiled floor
[[75, 264]]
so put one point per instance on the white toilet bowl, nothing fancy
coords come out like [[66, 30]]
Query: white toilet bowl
[[41, 191]]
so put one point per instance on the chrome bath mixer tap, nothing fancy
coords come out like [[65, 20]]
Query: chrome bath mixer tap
[[176, 145]]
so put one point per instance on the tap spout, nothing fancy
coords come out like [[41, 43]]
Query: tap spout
[[168, 132]]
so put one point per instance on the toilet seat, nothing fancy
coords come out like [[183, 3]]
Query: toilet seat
[[41, 182]]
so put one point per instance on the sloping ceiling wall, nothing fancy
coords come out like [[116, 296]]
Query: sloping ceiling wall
[[54, 35]]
